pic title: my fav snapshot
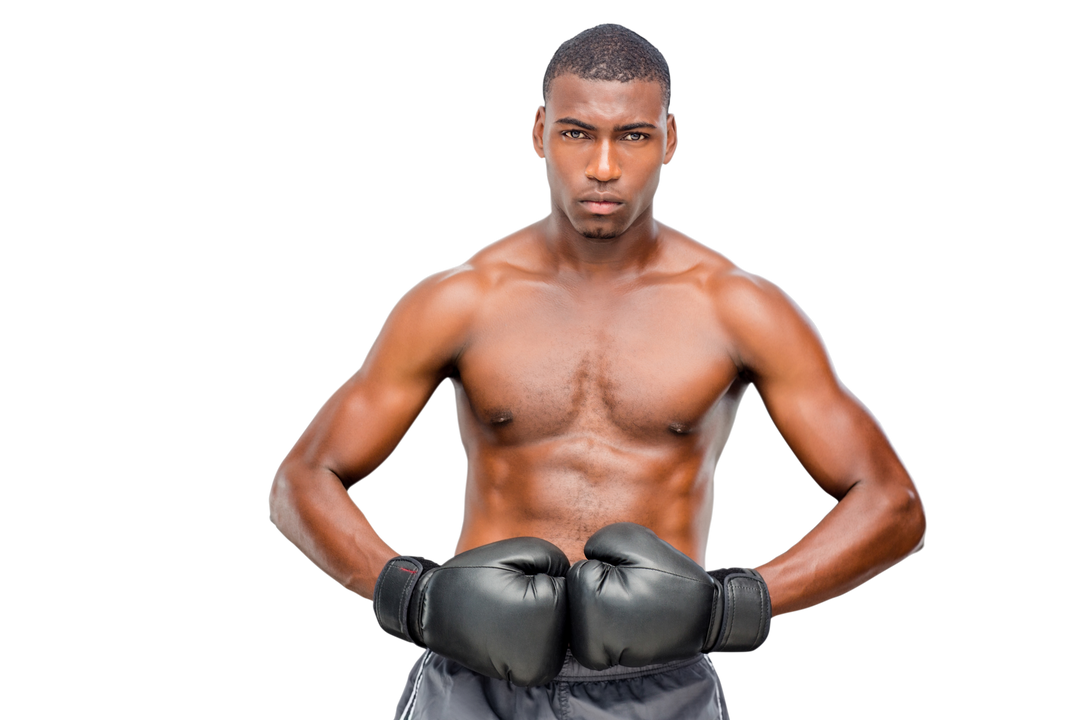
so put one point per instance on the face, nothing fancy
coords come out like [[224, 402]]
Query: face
[[604, 143]]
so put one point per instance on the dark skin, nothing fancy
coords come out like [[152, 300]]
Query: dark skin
[[598, 359]]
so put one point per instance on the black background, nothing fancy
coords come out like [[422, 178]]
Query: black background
[[355, 161]]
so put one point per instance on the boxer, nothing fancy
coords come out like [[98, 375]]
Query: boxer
[[598, 358]]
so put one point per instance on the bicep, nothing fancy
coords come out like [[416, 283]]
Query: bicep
[[831, 433], [361, 424]]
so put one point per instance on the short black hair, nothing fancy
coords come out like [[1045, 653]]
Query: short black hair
[[609, 52]]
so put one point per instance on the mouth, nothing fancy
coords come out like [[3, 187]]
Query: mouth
[[599, 206]]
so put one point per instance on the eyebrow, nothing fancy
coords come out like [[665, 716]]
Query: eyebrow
[[620, 128]]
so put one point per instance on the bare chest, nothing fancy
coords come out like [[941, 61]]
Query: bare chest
[[646, 363]]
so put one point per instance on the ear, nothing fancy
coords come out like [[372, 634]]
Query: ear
[[672, 138], [538, 131]]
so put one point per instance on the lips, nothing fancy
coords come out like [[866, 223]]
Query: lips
[[600, 205]]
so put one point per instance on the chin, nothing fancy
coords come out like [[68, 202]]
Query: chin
[[601, 234], [603, 231]]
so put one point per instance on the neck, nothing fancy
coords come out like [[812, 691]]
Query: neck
[[630, 251]]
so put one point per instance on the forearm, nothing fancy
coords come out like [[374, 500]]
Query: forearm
[[312, 508], [869, 530]]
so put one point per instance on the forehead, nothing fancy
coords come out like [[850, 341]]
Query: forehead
[[602, 102]]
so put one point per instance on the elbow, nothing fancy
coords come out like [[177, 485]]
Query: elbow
[[280, 497], [910, 520]]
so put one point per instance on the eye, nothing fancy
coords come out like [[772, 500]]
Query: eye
[[636, 136], [574, 134]]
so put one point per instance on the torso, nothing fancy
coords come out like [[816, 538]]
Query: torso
[[583, 404]]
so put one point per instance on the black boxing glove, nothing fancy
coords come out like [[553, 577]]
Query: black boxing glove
[[499, 609], [638, 601]]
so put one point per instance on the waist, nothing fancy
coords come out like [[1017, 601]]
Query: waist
[[573, 671]]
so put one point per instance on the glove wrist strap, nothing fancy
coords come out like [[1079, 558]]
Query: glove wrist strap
[[745, 610], [393, 592]]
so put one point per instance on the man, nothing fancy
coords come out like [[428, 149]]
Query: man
[[598, 359]]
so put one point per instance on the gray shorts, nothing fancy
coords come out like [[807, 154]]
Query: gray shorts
[[440, 689]]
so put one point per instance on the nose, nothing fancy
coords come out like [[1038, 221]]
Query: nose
[[603, 165]]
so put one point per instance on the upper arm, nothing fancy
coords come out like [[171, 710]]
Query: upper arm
[[365, 419], [832, 434]]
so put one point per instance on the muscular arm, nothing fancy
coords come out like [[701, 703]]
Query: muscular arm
[[361, 424], [878, 519]]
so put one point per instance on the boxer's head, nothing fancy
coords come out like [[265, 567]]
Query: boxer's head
[[604, 129]]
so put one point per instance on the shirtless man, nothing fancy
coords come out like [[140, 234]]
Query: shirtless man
[[598, 359]]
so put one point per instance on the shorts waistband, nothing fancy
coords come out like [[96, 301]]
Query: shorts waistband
[[573, 671]]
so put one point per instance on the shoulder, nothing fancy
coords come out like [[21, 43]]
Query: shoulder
[[733, 290], [759, 319], [446, 303], [491, 271], [483, 271]]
